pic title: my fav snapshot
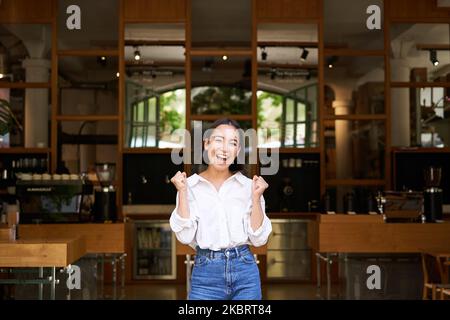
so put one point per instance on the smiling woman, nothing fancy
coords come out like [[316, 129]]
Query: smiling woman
[[223, 144], [220, 212]]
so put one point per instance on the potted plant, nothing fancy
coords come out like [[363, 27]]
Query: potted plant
[[7, 118]]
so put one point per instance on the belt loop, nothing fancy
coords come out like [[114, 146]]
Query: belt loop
[[238, 253], [211, 254]]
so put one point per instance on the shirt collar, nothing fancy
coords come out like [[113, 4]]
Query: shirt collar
[[195, 178]]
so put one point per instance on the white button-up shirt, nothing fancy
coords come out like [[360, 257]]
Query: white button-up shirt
[[219, 219]]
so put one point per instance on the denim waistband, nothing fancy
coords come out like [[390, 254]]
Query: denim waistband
[[229, 252]]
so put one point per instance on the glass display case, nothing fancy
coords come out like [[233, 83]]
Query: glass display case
[[154, 250]]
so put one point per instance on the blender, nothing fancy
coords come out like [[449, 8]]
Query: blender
[[105, 209], [433, 195]]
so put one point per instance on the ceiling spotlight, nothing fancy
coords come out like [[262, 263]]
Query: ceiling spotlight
[[263, 54], [433, 57], [117, 74], [304, 55], [137, 55], [1, 75], [331, 61], [224, 58], [101, 60]]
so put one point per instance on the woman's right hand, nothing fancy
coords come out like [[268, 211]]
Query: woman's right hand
[[179, 181]]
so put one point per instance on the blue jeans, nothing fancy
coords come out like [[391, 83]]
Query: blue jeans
[[228, 274]]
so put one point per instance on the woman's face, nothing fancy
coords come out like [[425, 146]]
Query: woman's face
[[222, 146]]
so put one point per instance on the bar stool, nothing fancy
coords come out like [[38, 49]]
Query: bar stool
[[329, 259], [188, 252], [435, 278], [114, 259], [445, 294]]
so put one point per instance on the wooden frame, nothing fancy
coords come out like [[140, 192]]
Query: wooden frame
[[25, 85], [384, 117], [387, 98], [391, 19], [263, 11]]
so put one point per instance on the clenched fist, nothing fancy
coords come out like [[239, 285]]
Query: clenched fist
[[258, 186], [179, 181]]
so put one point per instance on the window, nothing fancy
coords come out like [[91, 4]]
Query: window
[[300, 118], [152, 118], [144, 124]]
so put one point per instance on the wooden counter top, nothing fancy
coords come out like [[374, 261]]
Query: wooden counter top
[[99, 237], [369, 234], [271, 215], [350, 218], [41, 252]]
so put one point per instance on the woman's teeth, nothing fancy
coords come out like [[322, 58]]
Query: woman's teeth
[[221, 158]]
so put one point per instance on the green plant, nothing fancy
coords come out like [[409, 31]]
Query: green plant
[[170, 119], [7, 118], [221, 100], [277, 101]]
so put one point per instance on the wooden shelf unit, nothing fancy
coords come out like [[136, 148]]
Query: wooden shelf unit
[[21, 150], [263, 11], [25, 85]]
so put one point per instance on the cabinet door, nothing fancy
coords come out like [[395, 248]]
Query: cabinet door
[[288, 254], [154, 251], [288, 235], [289, 264]]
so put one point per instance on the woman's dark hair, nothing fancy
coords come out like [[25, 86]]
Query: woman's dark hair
[[235, 166]]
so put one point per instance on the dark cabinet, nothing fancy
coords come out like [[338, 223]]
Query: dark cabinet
[[296, 186], [146, 179]]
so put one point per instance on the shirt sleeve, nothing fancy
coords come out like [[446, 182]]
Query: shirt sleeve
[[260, 236], [184, 228]]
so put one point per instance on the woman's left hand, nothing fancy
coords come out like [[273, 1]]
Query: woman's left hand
[[258, 186]]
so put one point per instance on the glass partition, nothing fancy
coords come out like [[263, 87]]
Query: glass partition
[[97, 27], [25, 52], [421, 117], [217, 23], [287, 96], [155, 94], [354, 24], [357, 85], [354, 149], [420, 52]]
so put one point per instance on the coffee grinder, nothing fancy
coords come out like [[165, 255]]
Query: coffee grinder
[[105, 199], [433, 195]]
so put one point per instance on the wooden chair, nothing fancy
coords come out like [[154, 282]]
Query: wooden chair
[[433, 276], [445, 294]]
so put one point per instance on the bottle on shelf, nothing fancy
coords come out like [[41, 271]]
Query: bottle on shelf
[[12, 172], [12, 217]]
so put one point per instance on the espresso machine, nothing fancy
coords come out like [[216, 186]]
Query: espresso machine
[[433, 195], [105, 209]]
